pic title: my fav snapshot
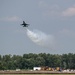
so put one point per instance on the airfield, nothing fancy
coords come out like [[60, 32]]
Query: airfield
[[35, 72]]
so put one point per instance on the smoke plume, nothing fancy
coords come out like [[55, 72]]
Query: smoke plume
[[41, 38]]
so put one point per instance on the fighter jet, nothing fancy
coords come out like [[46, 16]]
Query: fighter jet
[[24, 24]]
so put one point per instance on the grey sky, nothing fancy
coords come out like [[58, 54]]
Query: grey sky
[[54, 17]]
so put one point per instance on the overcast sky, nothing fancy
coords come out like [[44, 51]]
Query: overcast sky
[[53, 17]]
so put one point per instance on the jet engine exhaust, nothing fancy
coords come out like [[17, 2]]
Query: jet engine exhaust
[[41, 38]]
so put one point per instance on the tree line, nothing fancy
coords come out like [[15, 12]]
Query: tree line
[[28, 61]]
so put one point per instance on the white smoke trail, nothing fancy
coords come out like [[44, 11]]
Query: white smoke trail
[[41, 38]]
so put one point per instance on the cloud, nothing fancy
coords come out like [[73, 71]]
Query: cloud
[[43, 4], [10, 19], [67, 32], [49, 10], [69, 11], [55, 10]]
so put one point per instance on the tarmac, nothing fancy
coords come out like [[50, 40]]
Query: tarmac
[[33, 72]]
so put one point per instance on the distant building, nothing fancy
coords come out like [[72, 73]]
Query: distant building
[[17, 69], [36, 68]]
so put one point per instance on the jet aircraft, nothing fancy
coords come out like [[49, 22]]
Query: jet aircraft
[[24, 24]]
